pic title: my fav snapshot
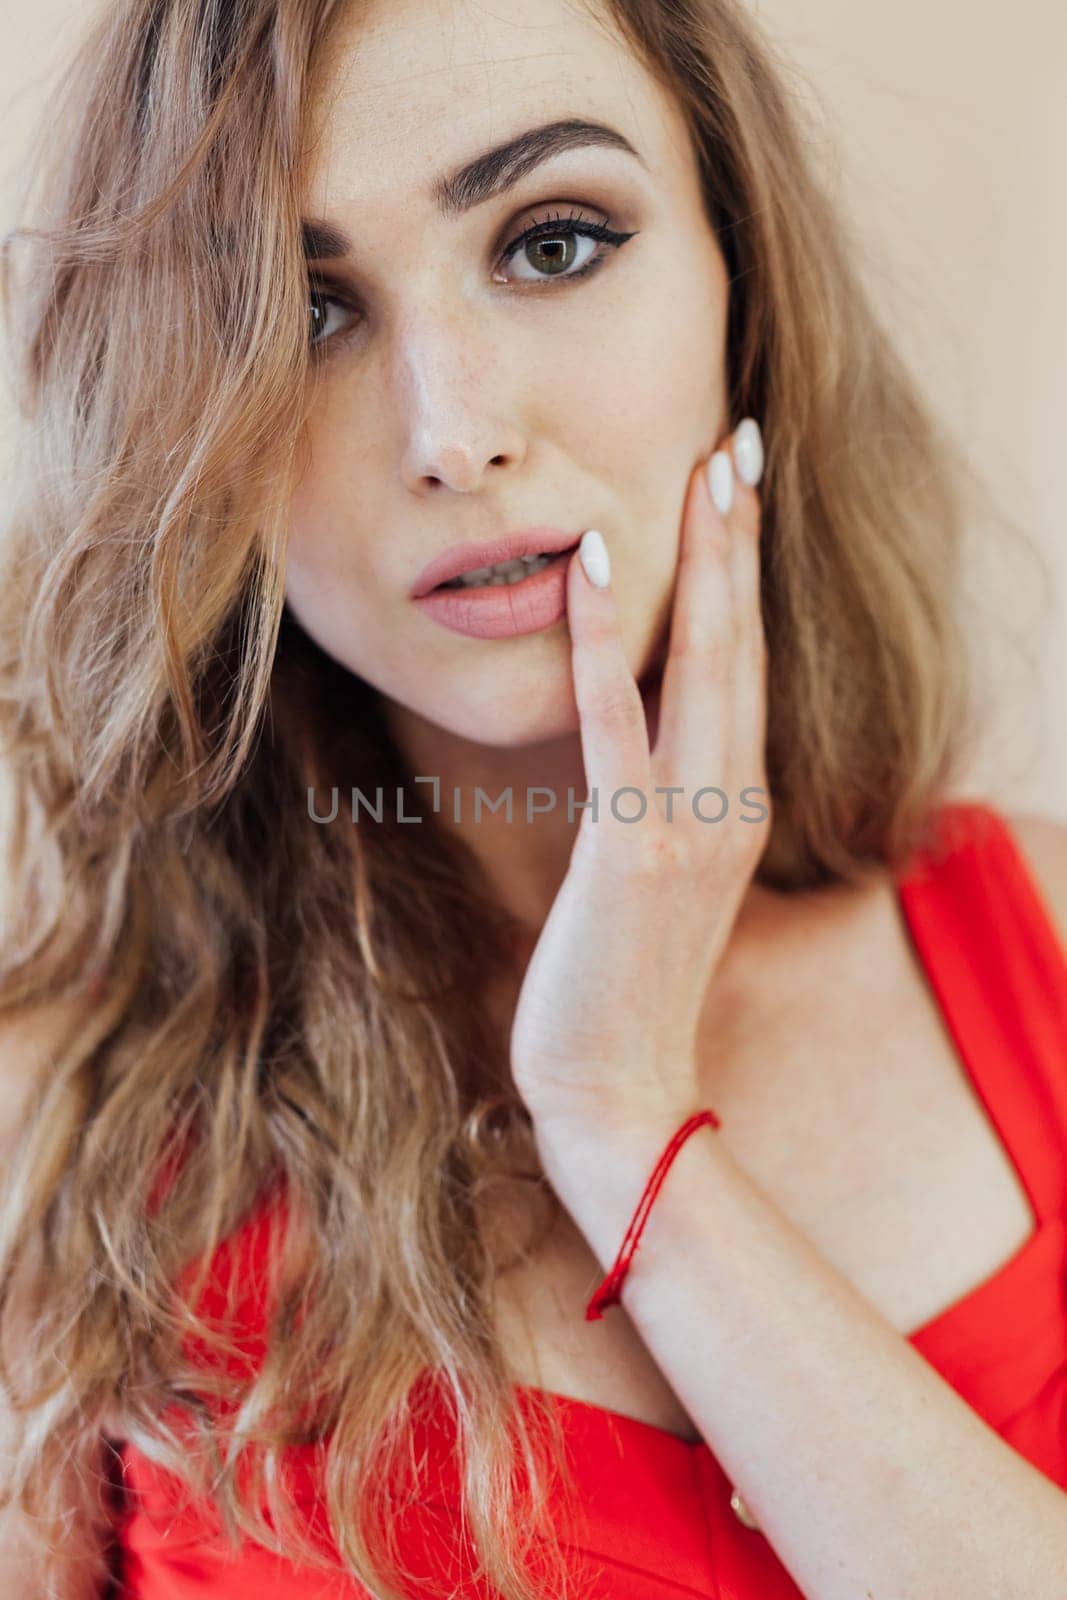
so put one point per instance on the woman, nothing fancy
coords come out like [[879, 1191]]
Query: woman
[[331, 1096]]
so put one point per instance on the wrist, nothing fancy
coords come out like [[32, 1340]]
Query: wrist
[[611, 1137], [601, 1169], [607, 1124]]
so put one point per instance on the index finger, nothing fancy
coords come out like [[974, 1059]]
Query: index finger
[[614, 733]]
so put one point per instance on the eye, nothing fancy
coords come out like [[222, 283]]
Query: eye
[[321, 299], [550, 247]]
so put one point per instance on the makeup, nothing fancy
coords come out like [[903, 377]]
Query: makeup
[[502, 611], [473, 560]]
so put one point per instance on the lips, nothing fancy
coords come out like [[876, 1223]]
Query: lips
[[502, 611], [460, 558]]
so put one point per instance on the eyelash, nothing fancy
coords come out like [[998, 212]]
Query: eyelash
[[549, 228], [553, 227]]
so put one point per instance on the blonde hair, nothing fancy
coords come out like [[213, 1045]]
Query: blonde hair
[[299, 1003]]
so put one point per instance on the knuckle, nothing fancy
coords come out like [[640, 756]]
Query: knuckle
[[699, 620], [618, 707], [674, 855], [707, 647], [664, 855]]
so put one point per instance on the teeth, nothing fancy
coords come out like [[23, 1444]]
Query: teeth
[[504, 572]]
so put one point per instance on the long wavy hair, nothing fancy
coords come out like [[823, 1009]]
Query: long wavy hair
[[293, 1003]]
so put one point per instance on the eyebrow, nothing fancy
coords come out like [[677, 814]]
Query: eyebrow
[[487, 175]]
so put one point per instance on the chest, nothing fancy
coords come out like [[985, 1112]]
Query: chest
[[845, 1099]]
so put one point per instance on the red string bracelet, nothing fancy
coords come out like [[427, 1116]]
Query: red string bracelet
[[610, 1291]]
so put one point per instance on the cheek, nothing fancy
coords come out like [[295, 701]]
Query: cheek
[[310, 517], [325, 585], [678, 355], [644, 389], [323, 534], [666, 409]]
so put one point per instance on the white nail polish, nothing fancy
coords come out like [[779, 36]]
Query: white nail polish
[[748, 451], [593, 554], [721, 482]]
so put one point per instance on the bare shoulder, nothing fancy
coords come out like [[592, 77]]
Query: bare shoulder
[[1043, 844]]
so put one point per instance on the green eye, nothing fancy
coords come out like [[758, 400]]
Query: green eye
[[555, 242], [553, 249], [556, 253]]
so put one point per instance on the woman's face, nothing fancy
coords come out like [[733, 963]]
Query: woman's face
[[466, 392]]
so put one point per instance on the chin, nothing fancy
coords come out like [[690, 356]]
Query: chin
[[507, 725], [515, 734]]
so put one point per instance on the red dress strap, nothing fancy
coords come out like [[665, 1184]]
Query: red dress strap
[[998, 968]]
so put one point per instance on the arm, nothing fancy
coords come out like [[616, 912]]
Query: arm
[[869, 1475], [865, 1469]]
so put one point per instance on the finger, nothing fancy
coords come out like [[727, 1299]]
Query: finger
[[695, 703], [745, 449], [613, 730]]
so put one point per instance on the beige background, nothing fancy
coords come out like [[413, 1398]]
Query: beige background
[[943, 127]]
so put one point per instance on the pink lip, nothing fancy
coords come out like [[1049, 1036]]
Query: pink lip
[[505, 610], [470, 557]]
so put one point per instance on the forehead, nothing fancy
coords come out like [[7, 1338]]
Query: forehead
[[410, 88]]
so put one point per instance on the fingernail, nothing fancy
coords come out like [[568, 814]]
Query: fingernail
[[721, 482], [748, 451], [593, 554]]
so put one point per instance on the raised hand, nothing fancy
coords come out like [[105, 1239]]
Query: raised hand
[[607, 1016]]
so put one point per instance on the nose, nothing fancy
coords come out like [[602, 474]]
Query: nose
[[454, 407]]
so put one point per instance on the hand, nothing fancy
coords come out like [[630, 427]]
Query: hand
[[607, 1016]]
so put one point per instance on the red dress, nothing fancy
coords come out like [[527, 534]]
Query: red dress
[[653, 1519]]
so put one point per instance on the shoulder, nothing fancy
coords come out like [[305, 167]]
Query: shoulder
[[1042, 842]]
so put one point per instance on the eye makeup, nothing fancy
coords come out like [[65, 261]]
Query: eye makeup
[[325, 291], [556, 228]]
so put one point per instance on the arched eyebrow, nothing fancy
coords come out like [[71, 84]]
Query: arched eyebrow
[[501, 168], [487, 175]]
